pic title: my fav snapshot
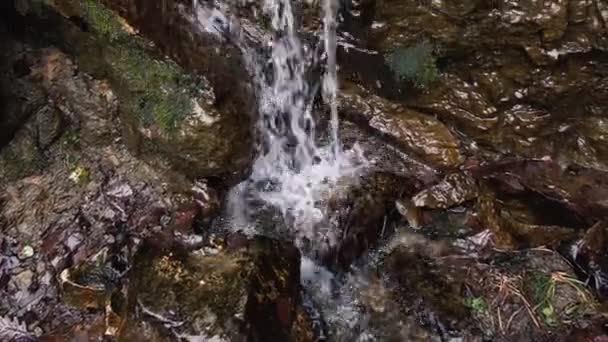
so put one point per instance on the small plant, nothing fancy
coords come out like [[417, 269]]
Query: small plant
[[80, 175], [416, 63], [549, 315], [478, 305], [543, 288]]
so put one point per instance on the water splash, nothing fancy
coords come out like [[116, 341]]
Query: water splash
[[293, 173], [299, 173]]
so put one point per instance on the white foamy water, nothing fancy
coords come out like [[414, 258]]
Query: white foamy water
[[330, 80], [292, 173]]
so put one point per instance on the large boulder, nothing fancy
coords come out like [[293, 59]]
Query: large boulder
[[182, 113], [239, 291]]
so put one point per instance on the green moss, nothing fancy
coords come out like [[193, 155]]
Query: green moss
[[542, 289], [478, 305], [156, 90], [539, 286], [102, 20], [415, 63]]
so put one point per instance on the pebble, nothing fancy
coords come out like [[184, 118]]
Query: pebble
[[109, 239], [74, 241], [165, 220], [26, 253], [24, 280], [40, 267]]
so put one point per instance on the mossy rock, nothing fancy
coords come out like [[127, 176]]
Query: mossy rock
[[417, 64], [169, 113]]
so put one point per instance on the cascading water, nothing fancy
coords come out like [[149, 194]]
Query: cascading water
[[293, 172], [330, 81]]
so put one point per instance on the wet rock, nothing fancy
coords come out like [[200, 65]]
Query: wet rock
[[362, 214], [393, 29], [458, 101], [494, 41], [581, 190], [420, 134], [382, 317], [510, 231], [430, 139], [520, 128], [584, 144], [527, 295], [410, 212], [426, 288], [230, 292], [590, 255], [453, 190]]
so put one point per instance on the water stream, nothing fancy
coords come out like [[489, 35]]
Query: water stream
[[297, 167]]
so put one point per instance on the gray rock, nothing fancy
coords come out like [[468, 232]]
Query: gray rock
[[23, 280]]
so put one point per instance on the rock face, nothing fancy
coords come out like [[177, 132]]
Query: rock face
[[194, 122], [591, 256], [419, 134], [248, 290], [502, 72], [582, 190]]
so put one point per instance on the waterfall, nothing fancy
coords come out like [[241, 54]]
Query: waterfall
[[330, 81], [293, 172]]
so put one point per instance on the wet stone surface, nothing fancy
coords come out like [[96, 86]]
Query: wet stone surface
[[480, 217]]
